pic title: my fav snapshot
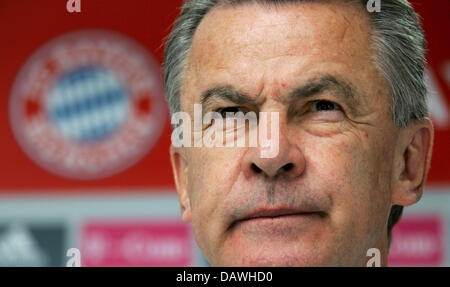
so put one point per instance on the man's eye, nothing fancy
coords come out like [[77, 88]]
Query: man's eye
[[230, 111], [324, 106]]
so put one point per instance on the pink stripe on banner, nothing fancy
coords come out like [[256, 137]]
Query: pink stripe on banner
[[418, 240], [153, 243]]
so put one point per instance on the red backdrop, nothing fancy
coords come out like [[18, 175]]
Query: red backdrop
[[25, 25]]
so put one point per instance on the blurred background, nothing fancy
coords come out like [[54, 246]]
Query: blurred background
[[84, 139]]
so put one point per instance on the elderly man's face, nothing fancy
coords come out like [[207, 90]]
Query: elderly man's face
[[325, 198]]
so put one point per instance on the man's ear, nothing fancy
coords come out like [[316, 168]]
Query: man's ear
[[412, 162], [180, 172]]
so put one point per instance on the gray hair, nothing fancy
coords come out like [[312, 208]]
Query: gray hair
[[397, 38]]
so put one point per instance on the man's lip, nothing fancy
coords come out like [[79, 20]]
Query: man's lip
[[273, 213]]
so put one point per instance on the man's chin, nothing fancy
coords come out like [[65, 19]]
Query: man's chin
[[302, 240], [259, 254], [272, 260]]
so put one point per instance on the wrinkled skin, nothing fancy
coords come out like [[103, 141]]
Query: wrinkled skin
[[341, 168]]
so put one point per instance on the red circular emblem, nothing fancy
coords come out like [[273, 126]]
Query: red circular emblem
[[88, 104]]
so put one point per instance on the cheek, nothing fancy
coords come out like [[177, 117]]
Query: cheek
[[349, 170], [212, 171]]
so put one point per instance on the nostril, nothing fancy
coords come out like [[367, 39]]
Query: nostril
[[255, 168], [288, 167]]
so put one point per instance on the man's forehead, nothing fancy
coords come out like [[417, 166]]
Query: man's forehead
[[245, 27], [235, 45]]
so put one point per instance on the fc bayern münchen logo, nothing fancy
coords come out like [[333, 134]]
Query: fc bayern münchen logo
[[88, 104]]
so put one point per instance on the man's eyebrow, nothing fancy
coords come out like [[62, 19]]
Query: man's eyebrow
[[342, 88], [225, 93]]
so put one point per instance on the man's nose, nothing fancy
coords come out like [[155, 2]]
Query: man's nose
[[289, 162]]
